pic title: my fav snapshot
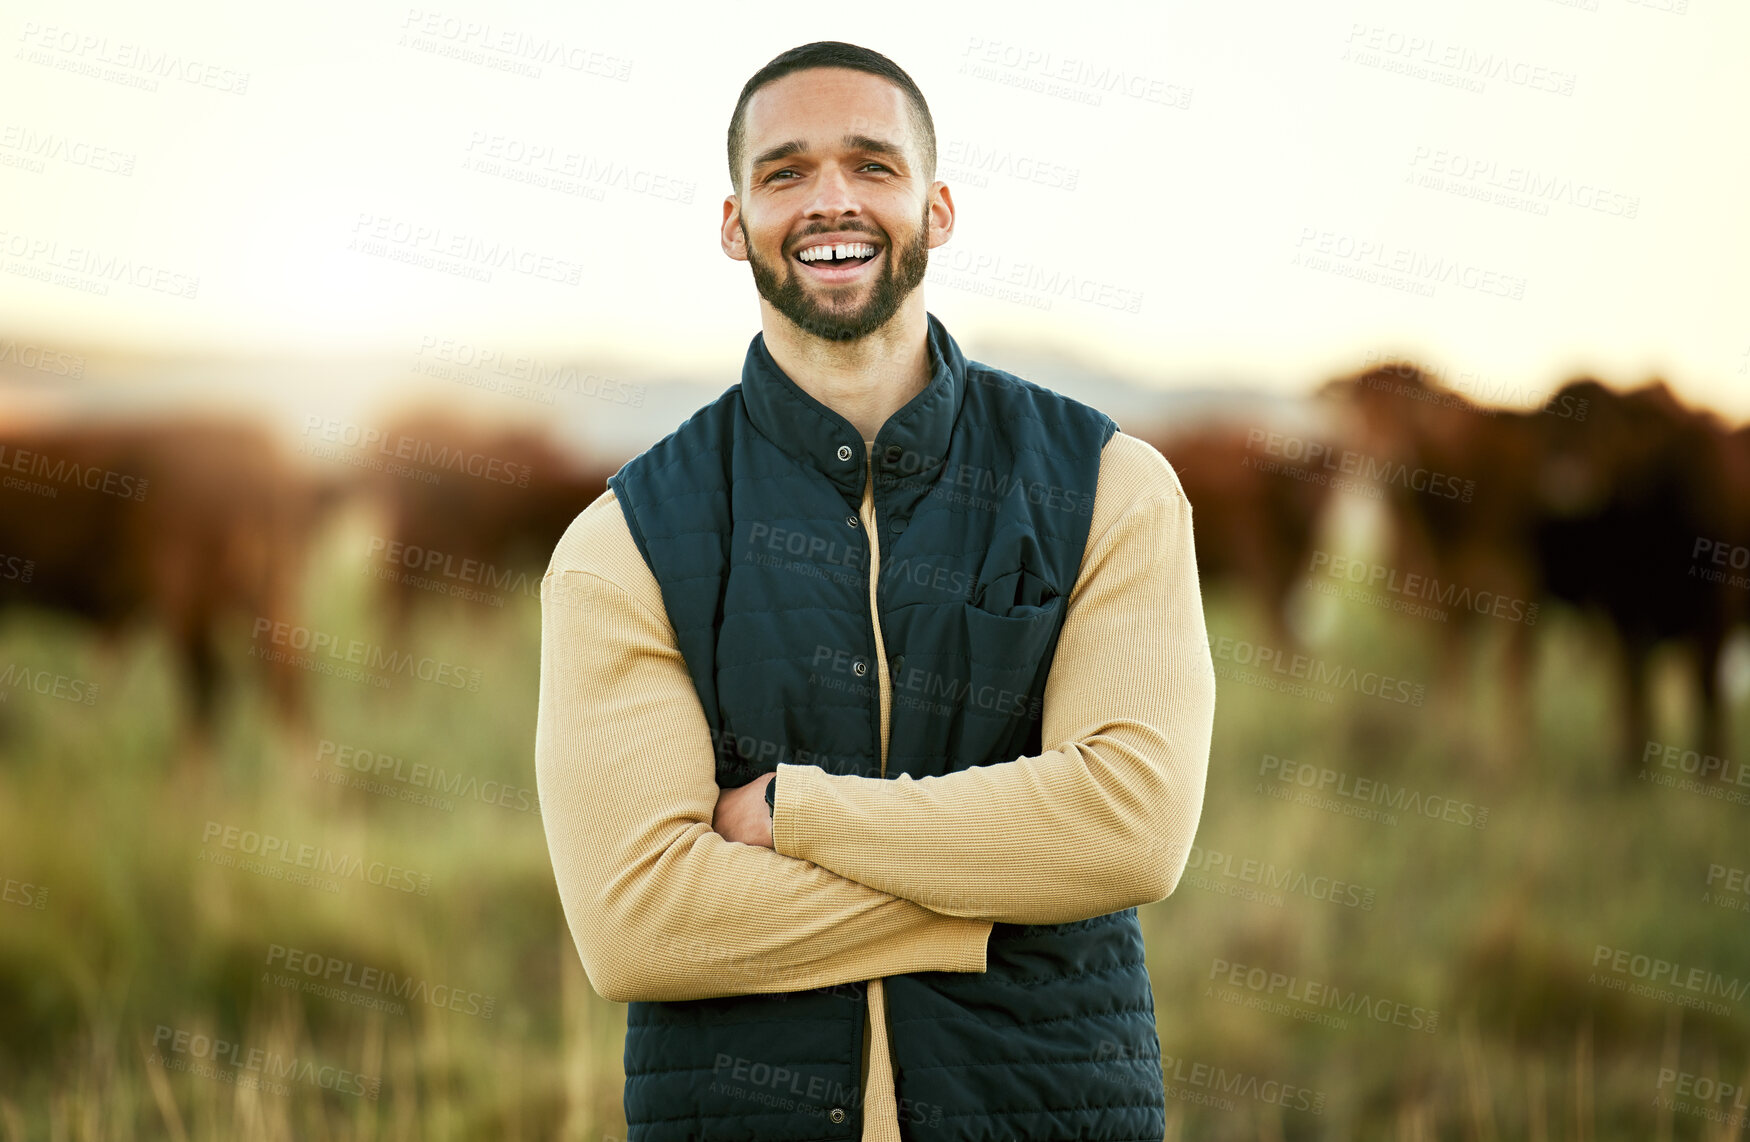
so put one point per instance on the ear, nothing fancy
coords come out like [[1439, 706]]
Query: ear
[[941, 214], [733, 243]]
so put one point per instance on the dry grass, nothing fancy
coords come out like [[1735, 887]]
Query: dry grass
[[1493, 928]]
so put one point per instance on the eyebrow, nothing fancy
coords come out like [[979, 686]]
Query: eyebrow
[[852, 142]]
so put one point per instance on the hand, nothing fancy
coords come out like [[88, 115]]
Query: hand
[[741, 814]]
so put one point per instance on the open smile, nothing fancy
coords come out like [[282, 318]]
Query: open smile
[[837, 269]]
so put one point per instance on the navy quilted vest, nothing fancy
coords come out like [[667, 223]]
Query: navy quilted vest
[[747, 514]]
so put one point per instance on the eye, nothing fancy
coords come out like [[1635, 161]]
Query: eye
[[873, 163], [775, 174]]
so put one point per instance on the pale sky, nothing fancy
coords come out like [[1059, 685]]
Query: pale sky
[[1513, 190]]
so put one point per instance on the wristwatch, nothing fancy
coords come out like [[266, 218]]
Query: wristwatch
[[772, 796]]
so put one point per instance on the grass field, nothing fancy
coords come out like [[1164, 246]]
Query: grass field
[[1328, 968]]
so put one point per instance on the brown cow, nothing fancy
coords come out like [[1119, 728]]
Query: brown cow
[[1431, 442], [1256, 515], [1631, 501], [186, 523], [472, 513], [1597, 498]]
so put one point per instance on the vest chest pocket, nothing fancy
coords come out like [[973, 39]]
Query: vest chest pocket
[[1007, 633]]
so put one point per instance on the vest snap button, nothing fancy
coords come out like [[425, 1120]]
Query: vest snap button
[[850, 521], [859, 668], [844, 452], [837, 1114], [896, 526]]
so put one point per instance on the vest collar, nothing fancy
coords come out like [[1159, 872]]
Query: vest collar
[[911, 446]]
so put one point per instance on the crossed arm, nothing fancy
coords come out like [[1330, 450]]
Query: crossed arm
[[1104, 819], [892, 876], [660, 906]]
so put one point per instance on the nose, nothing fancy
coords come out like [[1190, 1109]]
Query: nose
[[833, 193]]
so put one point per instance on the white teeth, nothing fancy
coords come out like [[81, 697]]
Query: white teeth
[[842, 250]]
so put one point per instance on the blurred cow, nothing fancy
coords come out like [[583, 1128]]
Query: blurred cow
[[1598, 498], [188, 524], [1468, 547], [1632, 502], [472, 513], [1257, 515]]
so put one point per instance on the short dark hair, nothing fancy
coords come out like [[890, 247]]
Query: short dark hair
[[833, 53]]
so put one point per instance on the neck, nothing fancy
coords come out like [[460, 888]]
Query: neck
[[865, 381]]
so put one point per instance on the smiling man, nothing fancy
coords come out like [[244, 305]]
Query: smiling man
[[876, 697]]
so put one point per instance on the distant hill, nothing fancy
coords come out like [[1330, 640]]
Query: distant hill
[[636, 408]]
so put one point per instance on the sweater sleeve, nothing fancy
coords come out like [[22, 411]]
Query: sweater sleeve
[[661, 906], [1104, 819]]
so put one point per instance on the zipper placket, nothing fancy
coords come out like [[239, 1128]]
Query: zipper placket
[[867, 515]]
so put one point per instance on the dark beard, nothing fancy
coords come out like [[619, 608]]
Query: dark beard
[[791, 296]]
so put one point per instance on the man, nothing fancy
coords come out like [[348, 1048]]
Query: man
[[932, 931]]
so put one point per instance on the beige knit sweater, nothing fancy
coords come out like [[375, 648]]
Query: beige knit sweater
[[663, 908]]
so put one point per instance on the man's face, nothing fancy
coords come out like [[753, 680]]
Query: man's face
[[854, 180]]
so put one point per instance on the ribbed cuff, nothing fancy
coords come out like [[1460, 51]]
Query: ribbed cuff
[[790, 806], [977, 945]]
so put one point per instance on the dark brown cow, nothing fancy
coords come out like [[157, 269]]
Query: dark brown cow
[[190, 524], [473, 514], [1598, 498], [1256, 516], [1476, 545], [1632, 501]]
